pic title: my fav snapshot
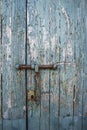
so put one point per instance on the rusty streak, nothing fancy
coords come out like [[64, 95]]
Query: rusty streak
[[37, 88]]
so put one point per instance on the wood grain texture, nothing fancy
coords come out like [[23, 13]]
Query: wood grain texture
[[79, 39], [45, 58], [68, 68], [13, 52], [6, 59], [77, 98], [32, 56], [18, 124], [18, 57], [54, 57], [46, 32], [84, 105]]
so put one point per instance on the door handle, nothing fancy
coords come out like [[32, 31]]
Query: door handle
[[36, 68]]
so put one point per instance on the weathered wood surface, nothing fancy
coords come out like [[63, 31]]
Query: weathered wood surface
[[84, 39], [44, 31], [32, 55], [13, 52]]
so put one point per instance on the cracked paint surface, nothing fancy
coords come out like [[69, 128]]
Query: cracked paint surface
[[53, 33]]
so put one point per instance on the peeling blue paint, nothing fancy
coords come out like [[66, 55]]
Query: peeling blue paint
[[56, 33]]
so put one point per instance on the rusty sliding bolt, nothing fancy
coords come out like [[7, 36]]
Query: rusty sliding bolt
[[37, 88], [31, 67]]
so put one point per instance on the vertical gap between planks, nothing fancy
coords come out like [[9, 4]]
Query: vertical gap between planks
[[59, 94], [74, 36], [73, 103], [84, 42], [49, 100], [1, 101], [1, 71], [49, 57], [26, 70], [59, 61], [82, 68], [11, 44], [74, 62]]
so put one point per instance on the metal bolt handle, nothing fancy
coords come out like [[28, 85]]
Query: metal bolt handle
[[36, 67], [32, 67]]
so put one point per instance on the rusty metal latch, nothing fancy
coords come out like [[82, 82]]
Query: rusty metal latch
[[33, 66], [37, 94]]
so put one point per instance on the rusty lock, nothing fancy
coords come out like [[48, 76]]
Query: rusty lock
[[36, 94]]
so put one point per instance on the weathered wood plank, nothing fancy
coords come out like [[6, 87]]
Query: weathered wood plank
[[67, 69], [85, 68], [32, 56], [54, 100], [45, 59], [67, 80], [18, 40], [67, 28], [85, 103], [6, 57], [54, 57], [85, 47], [78, 105], [18, 124], [13, 52], [7, 124], [1, 124]]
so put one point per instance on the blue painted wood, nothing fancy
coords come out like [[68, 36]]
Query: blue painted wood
[[18, 124], [78, 58], [13, 52], [0, 124], [56, 32], [7, 124], [32, 56], [54, 57], [84, 67], [18, 25], [6, 58], [44, 50], [67, 69], [85, 52], [0, 70], [67, 27]]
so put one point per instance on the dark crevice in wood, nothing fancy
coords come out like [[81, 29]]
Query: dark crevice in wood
[[74, 91], [26, 71]]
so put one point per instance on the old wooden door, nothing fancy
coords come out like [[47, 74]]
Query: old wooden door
[[46, 32]]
